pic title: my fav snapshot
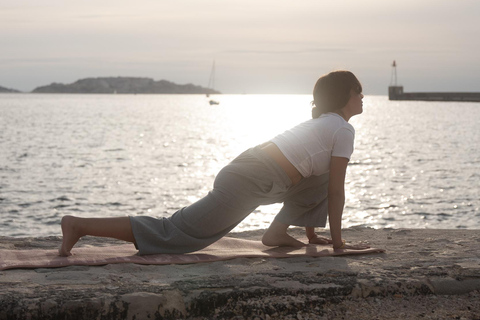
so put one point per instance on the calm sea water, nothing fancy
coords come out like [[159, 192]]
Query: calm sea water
[[415, 165]]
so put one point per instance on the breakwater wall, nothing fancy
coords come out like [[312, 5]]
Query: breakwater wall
[[396, 93]]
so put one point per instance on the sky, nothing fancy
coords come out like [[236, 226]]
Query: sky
[[259, 46]]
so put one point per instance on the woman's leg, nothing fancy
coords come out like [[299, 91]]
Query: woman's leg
[[277, 236], [74, 228]]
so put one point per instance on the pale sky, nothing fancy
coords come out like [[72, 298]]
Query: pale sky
[[259, 46]]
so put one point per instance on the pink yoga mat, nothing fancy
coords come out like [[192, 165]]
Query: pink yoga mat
[[224, 249]]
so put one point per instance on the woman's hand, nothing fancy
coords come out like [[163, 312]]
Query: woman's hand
[[316, 239]]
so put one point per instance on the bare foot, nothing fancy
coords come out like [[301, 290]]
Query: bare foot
[[280, 239], [70, 235], [316, 239]]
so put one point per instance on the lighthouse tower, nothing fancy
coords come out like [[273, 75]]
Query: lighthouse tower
[[395, 91]]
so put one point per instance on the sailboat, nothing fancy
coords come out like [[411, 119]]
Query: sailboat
[[211, 84]]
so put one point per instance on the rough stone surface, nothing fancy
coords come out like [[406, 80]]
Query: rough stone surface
[[427, 274]]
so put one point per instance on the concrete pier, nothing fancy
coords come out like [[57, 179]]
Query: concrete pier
[[428, 274], [396, 93]]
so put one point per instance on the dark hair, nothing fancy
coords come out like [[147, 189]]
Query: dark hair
[[332, 92]]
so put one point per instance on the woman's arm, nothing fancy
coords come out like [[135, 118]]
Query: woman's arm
[[336, 198], [336, 202]]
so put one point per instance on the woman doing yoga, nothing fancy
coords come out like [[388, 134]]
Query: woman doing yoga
[[304, 168]]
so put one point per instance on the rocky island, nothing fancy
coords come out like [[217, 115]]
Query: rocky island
[[125, 85], [7, 90]]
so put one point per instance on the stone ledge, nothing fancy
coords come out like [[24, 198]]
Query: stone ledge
[[433, 274]]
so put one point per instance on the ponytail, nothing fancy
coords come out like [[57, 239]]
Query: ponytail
[[316, 112]]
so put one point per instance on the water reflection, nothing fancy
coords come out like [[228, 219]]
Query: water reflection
[[415, 164]]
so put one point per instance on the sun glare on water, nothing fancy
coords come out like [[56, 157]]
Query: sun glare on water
[[253, 119]]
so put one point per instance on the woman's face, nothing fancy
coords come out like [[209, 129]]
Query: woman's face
[[354, 105]]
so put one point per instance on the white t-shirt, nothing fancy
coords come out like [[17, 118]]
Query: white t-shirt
[[310, 145]]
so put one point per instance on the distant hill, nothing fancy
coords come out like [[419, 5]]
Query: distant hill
[[7, 90], [123, 85]]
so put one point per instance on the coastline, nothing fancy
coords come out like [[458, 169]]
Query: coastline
[[425, 273]]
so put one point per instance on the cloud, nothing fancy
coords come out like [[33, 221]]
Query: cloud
[[287, 51], [270, 39]]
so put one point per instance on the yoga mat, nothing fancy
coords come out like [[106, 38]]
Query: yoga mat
[[224, 249]]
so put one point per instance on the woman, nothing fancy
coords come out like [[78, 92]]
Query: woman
[[303, 167]]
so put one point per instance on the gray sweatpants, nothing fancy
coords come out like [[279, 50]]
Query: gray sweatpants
[[250, 180]]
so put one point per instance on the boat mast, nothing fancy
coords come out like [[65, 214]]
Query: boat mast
[[211, 80]]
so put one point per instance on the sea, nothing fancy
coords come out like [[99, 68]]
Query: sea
[[415, 165]]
